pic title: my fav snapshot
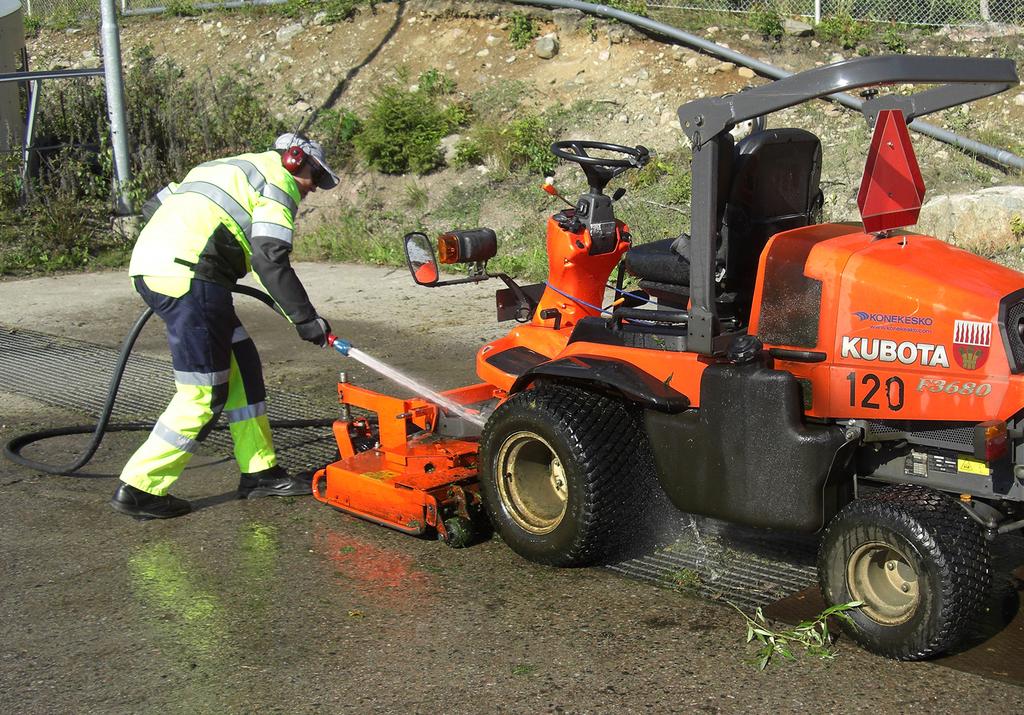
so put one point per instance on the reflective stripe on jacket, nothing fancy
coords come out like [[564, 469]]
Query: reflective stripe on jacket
[[225, 218]]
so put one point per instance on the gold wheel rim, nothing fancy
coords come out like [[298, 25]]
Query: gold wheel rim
[[885, 581], [532, 483]]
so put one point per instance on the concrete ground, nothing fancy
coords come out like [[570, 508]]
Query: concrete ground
[[285, 605]]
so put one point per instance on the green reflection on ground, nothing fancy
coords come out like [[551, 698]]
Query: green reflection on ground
[[191, 618]]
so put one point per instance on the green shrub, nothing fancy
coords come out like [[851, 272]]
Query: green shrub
[[637, 7], [435, 83], [180, 8], [404, 128], [467, 153], [1017, 227], [892, 39], [175, 123], [521, 31], [844, 30], [767, 21], [530, 146], [32, 25]]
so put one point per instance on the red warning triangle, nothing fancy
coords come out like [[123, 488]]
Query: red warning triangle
[[892, 189]]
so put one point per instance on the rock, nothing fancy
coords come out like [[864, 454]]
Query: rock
[[320, 19], [546, 47], [483, 53], [448, 147], [797, 28], [616, 34], [643, 74], [746, 73], [979, 33], [745, 36], [624, 118], [301, 106], [692, 63], [567, 21], [726, 67], [1019, 100], [815, 44], [492, 40], [289, 32], [971, 219], [604, 55], [711, 31], [836, 57]]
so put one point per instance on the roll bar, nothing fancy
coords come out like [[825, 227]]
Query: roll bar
[[706, 121]]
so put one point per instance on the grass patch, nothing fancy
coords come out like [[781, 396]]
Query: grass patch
[[686, 580]]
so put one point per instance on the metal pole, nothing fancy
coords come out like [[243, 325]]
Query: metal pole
[[30, 126], [817, 12], [114, 82]]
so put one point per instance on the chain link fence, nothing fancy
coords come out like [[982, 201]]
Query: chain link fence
[[912, 12]]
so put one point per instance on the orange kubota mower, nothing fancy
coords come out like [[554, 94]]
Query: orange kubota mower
[[858, 380]]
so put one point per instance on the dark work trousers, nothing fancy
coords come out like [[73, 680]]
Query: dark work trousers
[[216, 370]]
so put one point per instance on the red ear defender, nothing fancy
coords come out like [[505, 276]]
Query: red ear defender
[[293, 159]]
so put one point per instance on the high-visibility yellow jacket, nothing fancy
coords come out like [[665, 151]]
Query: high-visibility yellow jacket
[[225, 218]]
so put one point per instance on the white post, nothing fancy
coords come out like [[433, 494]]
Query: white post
[[817, 12]]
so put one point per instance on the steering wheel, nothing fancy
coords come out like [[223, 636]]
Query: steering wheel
[[600, 170]]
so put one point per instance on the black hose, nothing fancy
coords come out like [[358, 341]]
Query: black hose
[[13, 447]]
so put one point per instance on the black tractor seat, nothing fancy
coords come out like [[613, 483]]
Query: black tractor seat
[[767, 184]]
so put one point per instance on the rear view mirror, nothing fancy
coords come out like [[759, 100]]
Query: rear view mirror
[[419, 254]]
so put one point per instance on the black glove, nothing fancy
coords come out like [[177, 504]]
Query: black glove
[[314, 331]]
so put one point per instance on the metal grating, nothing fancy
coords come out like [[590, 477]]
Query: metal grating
[[717, 560], [950, 432], [75, 374]]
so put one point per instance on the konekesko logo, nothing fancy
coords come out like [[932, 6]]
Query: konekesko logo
[[971, 343], [894, 321]]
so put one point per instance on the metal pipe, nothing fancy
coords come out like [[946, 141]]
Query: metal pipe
[[1000, 156], [52, 74], [114, 81]]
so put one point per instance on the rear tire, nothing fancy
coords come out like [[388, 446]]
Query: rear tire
[[917, 561], [560, 469]]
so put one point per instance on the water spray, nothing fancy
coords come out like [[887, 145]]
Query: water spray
[[345, 348]]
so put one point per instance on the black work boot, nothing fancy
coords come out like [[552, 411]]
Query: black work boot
[[273, 482], [143, 505]]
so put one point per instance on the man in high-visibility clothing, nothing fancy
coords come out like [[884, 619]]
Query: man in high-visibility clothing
[[225, 218]]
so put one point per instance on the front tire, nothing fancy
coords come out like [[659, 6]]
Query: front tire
[[560, 472], [918, 563]]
